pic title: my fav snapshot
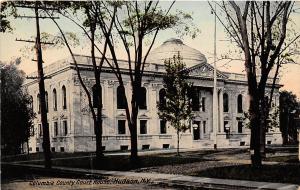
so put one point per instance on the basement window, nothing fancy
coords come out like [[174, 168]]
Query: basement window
[[124, 147], [166, 146], [145, 147], [62, 149]]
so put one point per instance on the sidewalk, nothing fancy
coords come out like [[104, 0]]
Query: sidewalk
[[169, 179]]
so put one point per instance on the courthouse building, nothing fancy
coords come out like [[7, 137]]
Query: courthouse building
[[71, 124]]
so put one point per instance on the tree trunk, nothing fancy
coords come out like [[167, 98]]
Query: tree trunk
[[177, 142], [98, 132], [27, 146], [133, 122], [98, 119], [255, 131], [134, 143]]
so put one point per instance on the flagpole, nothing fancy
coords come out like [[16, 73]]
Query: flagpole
[[215, 92]]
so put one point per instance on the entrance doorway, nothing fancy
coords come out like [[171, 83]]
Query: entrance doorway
[[196, 130]]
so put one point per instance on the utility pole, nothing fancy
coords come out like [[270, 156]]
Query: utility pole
[[40, 78], [46, 139], [215, 92]]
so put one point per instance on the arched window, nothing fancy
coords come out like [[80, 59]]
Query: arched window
[[64, 97], [121, 99], [96, 95], [38, 103], [46, 99], [240, 103], [142, 98], [225, 102], [162, 97], [54, 100]]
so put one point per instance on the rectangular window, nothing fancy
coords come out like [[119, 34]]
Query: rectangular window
[[40, 130], [121, 127], [240, 127], [65, 127], [143, 126], [204, 127], [163, 127], [55, 128], [203, 104]]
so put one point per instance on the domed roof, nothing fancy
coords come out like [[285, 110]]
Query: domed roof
[[170, 48]]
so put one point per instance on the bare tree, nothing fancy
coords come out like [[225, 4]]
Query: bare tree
[[135, 23], [260, 30], [89, 28]]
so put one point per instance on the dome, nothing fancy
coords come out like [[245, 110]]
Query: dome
[[170, 48]]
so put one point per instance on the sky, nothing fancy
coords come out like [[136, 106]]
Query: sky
[[202, 18]]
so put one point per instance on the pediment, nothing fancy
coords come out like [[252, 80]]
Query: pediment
[[205, 70]]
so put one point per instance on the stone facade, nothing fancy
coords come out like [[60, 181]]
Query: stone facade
[[71, 124]]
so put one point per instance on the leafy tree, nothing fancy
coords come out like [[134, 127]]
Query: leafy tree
[[16, 109], [176, 108], [288, 107], [259, 29]]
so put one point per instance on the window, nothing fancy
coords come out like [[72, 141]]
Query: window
[[121, 98], [203, 104], [142, 98], [225, 102], [38, 103], [145, 146], [96, 96], [54, 100], [240, 103], [195, 99], [240, 127], [143, 126], [121, 127], [163, 127], [162, 97], [124, 147], [55, 128], [46, 100], [65, 127], [64, 97], [40, 130], [204, 127]]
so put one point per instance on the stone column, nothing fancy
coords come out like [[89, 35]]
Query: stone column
[[221, 112]]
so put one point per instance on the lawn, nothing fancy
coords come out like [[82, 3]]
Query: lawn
[[206, 163], [270, 173]]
